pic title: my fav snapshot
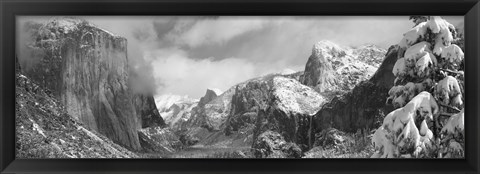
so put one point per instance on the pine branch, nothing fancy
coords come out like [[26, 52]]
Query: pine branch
[[449, 107], [446, 114], [451, 71]]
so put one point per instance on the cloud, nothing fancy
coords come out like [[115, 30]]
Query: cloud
[[185, 55], [176, 73], [213, 30], [141, 37]]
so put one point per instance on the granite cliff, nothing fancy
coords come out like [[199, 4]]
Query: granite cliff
[[87, 70], [44, 128]]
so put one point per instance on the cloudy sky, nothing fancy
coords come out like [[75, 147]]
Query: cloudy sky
[[186, 55]]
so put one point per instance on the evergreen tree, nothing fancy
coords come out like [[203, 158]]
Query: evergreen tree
[[427, 94], [419, 19]]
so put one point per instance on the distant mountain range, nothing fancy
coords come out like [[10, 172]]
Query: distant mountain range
[[236, 117]]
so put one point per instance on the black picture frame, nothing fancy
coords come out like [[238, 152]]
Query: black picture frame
[[9, 9]]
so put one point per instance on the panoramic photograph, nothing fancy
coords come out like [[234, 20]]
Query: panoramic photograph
[[239, 87]]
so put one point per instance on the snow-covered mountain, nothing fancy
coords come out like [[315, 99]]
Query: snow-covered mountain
[[172, 107], [333, 68], [370, 54], [280, 102], [165, 101], [177, 110]]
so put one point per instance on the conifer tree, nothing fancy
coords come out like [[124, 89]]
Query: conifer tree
[[427, 94]]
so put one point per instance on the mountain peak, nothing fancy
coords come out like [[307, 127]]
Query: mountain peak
[[215, 90], [209, 96], [165, 101], [326, 46], [329, 63], [65, 25]]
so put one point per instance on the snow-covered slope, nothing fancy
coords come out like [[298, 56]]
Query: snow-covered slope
[[44, 128], [369, 53]]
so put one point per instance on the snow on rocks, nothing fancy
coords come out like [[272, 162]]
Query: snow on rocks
[[159, 139], [295, 97], [329, 64], [164, 102], [325, 47], [287, 71], [216, 91], [37, 128]]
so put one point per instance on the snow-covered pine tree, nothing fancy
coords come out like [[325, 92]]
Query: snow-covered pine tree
[[428, 96], [418, 19]]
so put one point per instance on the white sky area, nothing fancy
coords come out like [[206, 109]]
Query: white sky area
[[187, 55]]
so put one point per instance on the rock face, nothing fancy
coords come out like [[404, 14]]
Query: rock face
[[44, 129], [87, 70], [332, 69], [217, 110], [271, 102], [370, 54], [364, 105], [209, 96], [318, 71], [147, 111], [289, 110]]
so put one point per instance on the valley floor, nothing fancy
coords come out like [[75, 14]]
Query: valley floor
[[329, 144], [204, 152], [212, 152]]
